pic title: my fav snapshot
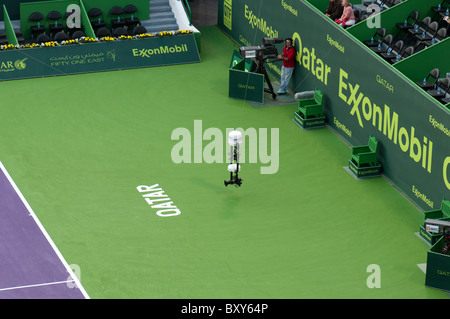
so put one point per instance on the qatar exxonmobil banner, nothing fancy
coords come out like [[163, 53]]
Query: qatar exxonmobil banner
[[98, 56], [363, 94]]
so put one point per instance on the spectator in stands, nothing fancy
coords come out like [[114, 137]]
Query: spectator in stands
[[334, 9], [287, 69], [348, 16]]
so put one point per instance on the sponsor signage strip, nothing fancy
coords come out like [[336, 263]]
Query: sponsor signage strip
[[98, 56]]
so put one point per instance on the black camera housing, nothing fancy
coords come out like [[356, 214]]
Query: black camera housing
[[261, 52]]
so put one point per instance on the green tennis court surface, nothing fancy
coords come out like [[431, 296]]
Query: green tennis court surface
[[79, 147]]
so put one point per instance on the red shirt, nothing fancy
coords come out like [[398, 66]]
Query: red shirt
[[289, 53]]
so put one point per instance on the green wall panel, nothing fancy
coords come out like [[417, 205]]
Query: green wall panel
[[420, 64], [363, 94]]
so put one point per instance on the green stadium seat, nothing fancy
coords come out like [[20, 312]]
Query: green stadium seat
[[366, 154], [312, 107]]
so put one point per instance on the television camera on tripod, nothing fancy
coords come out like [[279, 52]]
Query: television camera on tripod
[[262, 53]]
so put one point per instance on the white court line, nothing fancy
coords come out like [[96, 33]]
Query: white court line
[[44, 232], [38, 285]]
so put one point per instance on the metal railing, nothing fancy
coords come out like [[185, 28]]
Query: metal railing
[[187, 8]]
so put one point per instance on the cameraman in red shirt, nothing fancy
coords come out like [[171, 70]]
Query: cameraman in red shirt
[[287, 69]]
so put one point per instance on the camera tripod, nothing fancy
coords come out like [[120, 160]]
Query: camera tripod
[[262, 70]]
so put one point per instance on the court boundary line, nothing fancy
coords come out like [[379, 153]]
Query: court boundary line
[[38, 285], [44, 232]]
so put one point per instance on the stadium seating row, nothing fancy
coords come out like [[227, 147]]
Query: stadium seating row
[[413, 35], [124, 21]]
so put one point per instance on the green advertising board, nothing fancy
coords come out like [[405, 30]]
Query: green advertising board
[[98, 56], [365, 95], [244, 83], [438, 267]]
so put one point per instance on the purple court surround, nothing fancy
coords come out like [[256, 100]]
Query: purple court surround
[[31, 266]]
